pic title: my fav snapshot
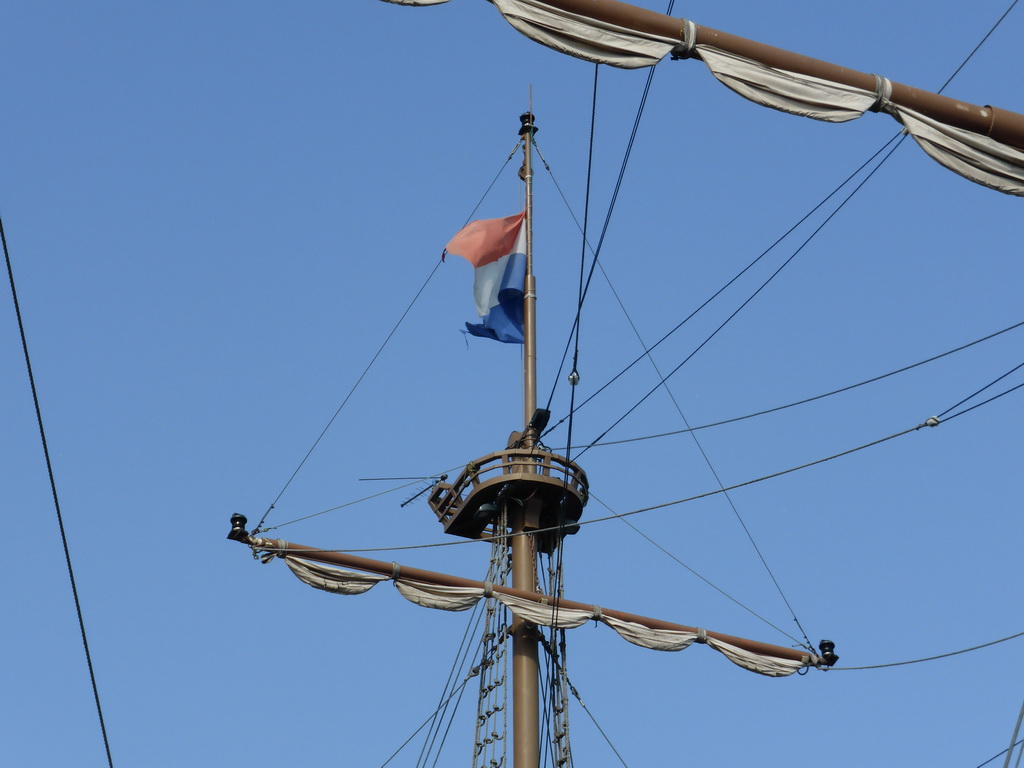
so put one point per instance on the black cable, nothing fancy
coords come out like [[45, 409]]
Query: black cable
[[984, 402], [806, 400], [930, 658], [977, 47], [848, 179], [604, 228], [56, 501], [995, 757], [754, 294], [990, 384], [259, 526], [735, 277]]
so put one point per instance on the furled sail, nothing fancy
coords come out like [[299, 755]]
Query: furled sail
[[461, 598], [624, 36], [583, 37], [786, 91], [979, 158], [416, 2]]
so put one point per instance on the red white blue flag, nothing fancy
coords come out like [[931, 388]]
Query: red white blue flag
[[497, 248]]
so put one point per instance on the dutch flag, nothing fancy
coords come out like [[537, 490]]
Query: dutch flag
[[497, 249]]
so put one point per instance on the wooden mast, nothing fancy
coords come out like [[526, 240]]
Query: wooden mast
[[525, 649]]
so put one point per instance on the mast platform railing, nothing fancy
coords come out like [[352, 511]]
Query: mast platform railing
[[556, 486]]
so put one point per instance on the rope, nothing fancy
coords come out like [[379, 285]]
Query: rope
[[738, 275], [259, 526], [351, 503], [707, 460], [929, 658], [707, 581], [815, 232], [997, 756], [576, 695], [1013, 740], [604, 228], [816, 397], [978, 46], [56, 500], [990, 384], [753, 295], [931, 422], [458, 690], [620, 515]]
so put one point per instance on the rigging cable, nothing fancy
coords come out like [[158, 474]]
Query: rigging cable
[[978, 46], [576, 695], [984, 402], [990, 384], [663, 505], [707, 581], [259, 526], [732, 504], [56, 500], [997, 756], [349, 503], [900, 136], [459, 663], [749, 298], [462, 654], [457, 691], [1013, 740], [930, 422], [929, 658], [553, 700], [607, 221], [847, 388], [732, 280]]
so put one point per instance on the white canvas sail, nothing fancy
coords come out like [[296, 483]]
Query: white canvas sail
[[456, 598]]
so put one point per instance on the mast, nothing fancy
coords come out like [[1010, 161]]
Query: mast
[[525, 651]]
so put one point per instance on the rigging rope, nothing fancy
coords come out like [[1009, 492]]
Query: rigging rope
[[735, 277], [930, 422], [707, 460], [847, 388], [259, 526], [56, 500], [1000, 754], [929, 658], [619, 515], [707, 581], [458, 690], [972, 396], [901, 137], [607, 221], [749, 298], [576, 695]]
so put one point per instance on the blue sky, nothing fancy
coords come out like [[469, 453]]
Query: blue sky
[[216, 214]]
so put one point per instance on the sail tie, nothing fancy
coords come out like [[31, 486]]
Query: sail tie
[[597, 615], [686, 48], [488, 589], [883, 92], [702, 635], [396, 571], [281, 550]]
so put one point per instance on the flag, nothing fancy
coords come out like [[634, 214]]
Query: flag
[[497, 249]]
